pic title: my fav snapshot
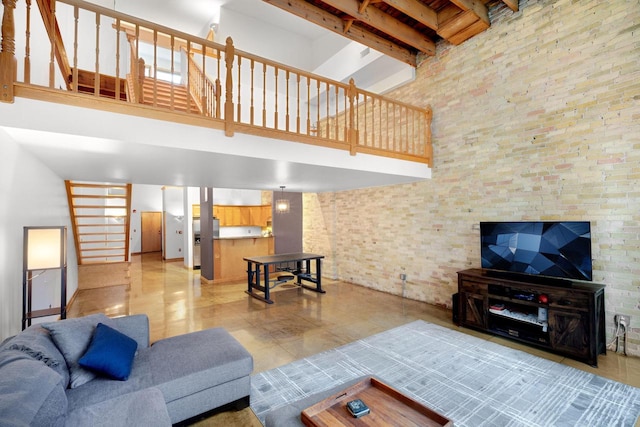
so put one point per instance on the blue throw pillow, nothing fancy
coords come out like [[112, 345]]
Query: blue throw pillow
[[110, 353]]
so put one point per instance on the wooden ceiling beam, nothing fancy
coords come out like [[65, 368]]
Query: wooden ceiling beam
[[512, 4], [363, 5], [476, 7], [333, 23], [418, 11], [385, 23]]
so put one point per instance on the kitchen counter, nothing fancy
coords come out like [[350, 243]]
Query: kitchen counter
[[228, 254], [241, 237]]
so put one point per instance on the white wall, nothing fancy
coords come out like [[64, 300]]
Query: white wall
[[31, 195], [174, 222], [144, 198], [228, 196], [277, 44]]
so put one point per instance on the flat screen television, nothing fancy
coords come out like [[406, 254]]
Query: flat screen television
[[555, 249]]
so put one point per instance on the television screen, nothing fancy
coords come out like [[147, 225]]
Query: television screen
[[557, 249]]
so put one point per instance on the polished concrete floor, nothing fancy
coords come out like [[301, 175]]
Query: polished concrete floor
[[300, 322]]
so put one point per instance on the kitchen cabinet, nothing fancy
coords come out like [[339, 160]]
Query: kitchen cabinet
[[240, 215]]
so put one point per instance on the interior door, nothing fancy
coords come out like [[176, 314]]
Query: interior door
[[151, 223]]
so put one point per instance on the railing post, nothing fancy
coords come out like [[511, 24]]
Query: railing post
[[352, 132], [229, 54], [428, 147], [8, 62]]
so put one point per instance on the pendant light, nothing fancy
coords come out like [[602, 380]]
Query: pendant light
[[282, 204]]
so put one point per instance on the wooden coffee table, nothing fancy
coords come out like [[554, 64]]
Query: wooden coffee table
[[388, 406]]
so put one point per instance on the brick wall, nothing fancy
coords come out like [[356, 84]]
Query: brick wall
[[538, 118]]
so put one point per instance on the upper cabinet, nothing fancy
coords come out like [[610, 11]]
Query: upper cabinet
[[234, 215]]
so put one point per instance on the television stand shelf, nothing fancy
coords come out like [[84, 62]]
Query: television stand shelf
[[562, 316]]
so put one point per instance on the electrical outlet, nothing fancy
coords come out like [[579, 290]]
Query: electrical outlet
[[622, 320], [403, 276]]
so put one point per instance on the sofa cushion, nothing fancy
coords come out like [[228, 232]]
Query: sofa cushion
[[102, 388], [31, 393], [140, 408], [72, 337], [187, 364], [36, 342], [110, 353]]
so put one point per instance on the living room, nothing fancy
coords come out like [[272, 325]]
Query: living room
[[535, 119]]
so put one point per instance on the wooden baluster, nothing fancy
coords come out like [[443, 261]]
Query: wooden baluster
[[173, 68], [308, 105], [318, 108], [365, 120], [298, 102], [8, 62], [118, 59], [287, 103], [96, 84], [328, 115], [276, 72], [251, 108], [204, 81], [140, 79], [352, 138], [218, 92], [228, 105], [337, 121], [239, 118], [155, 72], [27, 47], [264, 94]]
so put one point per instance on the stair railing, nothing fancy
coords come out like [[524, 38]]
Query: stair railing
[[203, 91], [261, 97]]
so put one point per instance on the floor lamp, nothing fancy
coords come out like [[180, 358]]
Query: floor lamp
[[45, 250]]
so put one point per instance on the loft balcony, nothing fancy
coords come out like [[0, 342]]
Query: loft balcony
[[83, 55]]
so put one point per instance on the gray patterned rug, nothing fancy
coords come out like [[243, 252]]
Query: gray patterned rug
[[469, 380]]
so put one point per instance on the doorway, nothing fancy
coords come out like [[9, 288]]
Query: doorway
[[151, 232]]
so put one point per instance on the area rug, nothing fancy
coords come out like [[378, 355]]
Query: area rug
[[472, 381]]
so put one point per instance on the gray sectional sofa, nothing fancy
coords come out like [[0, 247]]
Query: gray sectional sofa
[[42, 382]]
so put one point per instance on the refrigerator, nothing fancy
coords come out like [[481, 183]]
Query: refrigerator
[[197, 239]]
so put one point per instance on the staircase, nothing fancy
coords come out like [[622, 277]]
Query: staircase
[[181, 98], [100, 216]]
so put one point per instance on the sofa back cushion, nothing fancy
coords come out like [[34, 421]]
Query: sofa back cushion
[[36, 343], [72, 337], [31, 393]]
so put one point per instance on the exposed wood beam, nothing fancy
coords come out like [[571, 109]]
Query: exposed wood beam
[[512, 4], [386, 23], [418, 11], [347, 25], [363, 5], [333, 23], [475, 6]]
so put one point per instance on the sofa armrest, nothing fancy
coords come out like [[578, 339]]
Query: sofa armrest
[[135, 326]]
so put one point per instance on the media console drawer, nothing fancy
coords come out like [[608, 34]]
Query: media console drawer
[[563, 317]]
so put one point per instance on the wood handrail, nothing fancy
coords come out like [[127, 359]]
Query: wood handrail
[[261, 96]]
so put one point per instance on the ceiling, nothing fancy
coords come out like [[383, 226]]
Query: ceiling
[[401, 29]]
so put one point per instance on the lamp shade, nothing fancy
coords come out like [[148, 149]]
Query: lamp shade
[[45, 247], [282, 205]]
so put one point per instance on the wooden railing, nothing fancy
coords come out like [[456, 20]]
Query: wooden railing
[[260, 96]]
